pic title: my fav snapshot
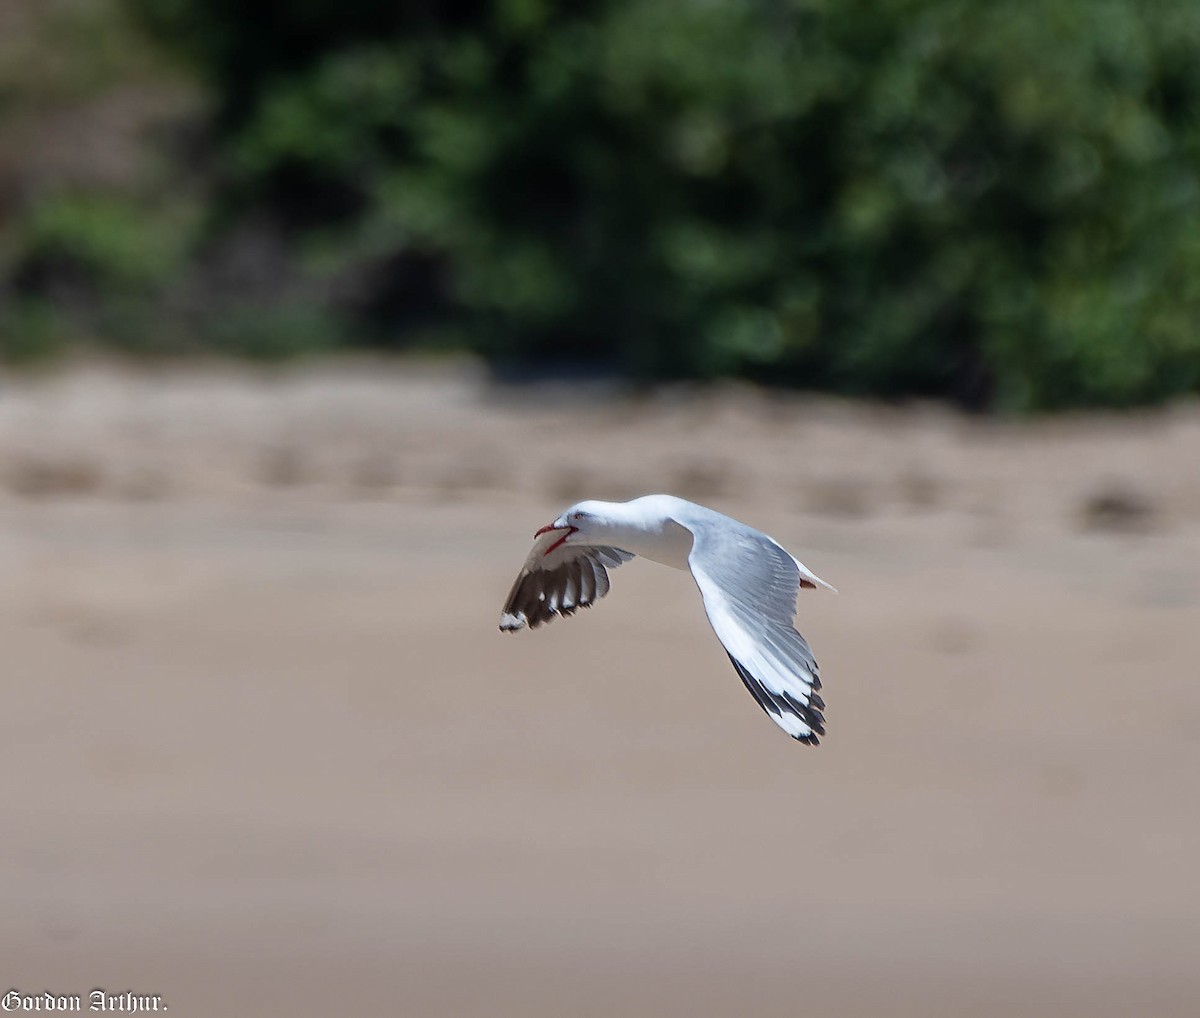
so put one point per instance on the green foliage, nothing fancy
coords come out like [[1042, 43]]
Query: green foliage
[[31, 332], [998, 202], [91, 245], [88, 266], [104, 237], [273, 332]]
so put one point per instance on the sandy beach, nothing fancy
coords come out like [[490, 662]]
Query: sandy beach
[[266, 753]]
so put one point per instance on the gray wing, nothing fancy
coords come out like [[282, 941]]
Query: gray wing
[[569, 578], [749, 585]]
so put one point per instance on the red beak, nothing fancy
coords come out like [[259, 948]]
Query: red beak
[[550, 527]]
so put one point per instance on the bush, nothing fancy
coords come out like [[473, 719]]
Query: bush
[[998, 202]]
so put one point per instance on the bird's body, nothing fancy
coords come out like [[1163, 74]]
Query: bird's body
[[747, 580]]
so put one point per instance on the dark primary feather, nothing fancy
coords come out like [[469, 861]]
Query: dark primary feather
[[559, 584], [778, 704]]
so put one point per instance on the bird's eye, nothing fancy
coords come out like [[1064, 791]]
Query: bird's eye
[[578, 516]]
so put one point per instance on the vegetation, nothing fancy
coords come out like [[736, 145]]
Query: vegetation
[[994, 202]]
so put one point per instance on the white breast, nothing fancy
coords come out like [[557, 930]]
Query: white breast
[[667, 543]]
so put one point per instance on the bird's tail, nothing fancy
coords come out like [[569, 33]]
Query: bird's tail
[[810, 579]]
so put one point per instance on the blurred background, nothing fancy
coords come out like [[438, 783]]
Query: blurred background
[[995, 203], [311, 313]]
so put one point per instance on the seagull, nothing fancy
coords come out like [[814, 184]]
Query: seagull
[[747, 581]]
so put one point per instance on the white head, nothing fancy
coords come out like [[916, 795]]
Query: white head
[[644, 526], [588, 522]]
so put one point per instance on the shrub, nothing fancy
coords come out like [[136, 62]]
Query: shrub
[[997, 202]]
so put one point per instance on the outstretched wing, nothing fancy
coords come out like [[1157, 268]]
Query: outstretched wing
[[749, 585], [568, 578]]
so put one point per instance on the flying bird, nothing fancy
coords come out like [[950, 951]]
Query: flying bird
[[747, 581]]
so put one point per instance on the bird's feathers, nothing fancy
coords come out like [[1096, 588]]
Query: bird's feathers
[[747, 581], [749, 586], [568, 578]]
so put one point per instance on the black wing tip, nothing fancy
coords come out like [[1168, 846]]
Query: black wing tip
[[778, 704], [809, 713], [511, 622]]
